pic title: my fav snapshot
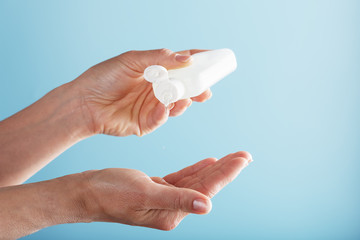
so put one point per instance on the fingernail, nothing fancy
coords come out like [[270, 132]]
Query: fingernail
[[183, 58], [170, 106], [199, 205], [190, 102], [246, 164], [250, 158]]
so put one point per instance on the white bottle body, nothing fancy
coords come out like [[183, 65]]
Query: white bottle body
[[207, 68]]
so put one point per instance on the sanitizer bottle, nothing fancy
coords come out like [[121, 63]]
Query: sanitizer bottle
[[207, 68]]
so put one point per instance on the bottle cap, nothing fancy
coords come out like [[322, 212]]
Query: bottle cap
[[156, 73], [166, 91]]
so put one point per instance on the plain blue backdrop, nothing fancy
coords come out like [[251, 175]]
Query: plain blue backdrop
[[293, 103]]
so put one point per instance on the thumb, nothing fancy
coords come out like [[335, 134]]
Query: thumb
[[139, 60], [184, 199]]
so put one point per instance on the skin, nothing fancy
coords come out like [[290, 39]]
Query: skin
[[110, 98], [118, 195]]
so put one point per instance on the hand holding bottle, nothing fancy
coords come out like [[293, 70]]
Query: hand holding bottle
[[120, 102], [111, 97], [207, 68]]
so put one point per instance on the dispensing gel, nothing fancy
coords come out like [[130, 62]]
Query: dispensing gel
[[207, 68]]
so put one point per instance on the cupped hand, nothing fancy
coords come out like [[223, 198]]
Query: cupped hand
[[131, 197], [119, 101]]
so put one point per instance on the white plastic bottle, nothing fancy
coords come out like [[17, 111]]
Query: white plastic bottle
[[207, 68]]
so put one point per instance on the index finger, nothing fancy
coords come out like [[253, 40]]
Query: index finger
[[191, 51]]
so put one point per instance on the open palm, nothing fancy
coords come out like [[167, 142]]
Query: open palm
[[208, 177], [131, 197]]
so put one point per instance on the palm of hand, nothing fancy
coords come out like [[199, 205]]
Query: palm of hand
[[131, 197], [207, 177], [121, 101]]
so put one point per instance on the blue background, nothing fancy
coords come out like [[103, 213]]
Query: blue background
[[293, 103]]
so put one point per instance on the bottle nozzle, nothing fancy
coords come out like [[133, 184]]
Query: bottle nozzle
[[156, 73], [166, 99], [165, 90]]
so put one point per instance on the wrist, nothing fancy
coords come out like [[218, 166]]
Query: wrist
[[36, 135], [86, 199], [64, 200], [72, 198], [74, 112]]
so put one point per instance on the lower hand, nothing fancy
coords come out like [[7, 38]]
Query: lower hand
[[116, 195], [131, 197], [119, 101]]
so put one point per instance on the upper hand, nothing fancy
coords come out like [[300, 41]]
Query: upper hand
[[131, 197], [119, 101]]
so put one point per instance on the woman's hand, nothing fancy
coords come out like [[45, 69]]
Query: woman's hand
[[117, 195], [110, 98], [131, 197], [120, 102]]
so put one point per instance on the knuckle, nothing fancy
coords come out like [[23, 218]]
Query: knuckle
[[178, 201], [131, 52], [165, 51], [128, 55]]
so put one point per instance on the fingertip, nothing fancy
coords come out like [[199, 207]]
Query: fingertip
[[202, 206], [239, 163], [170, 106], [203, 96], [210, 94], [192, 51], [183, 58], [159, 115], [243, 154], [180, 107], [189, 102]]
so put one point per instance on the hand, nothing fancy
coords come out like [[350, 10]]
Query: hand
[[116, 195], [131, 197], [120, 102], [111, 98]]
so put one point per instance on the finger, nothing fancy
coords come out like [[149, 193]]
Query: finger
[[221, 165], [191, 51], [207, 170], [160, 180], [203, 97], [139, 60], [190, 170], [217, 180], [212, 179], [173, 198], [153, 113], [156, 117], [220, 175], [180, 107]]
